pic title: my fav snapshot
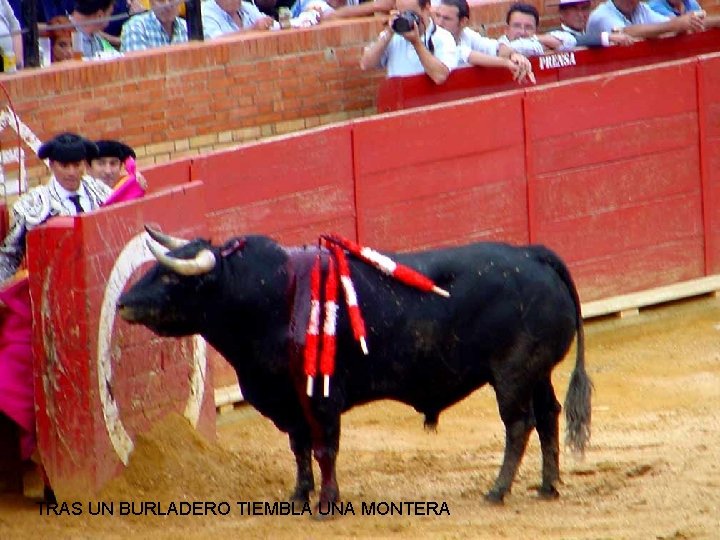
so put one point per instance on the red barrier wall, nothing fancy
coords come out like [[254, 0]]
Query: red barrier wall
[[614, 177], [293, 187], [404, 92], [100, 382], [709, 107], [432, 177]]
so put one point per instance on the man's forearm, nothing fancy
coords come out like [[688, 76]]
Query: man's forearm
[[434, 68], [673, 26], [364, 9], [373, 52]]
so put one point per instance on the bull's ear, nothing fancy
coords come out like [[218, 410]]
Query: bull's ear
[[203, 262], [165, 240]]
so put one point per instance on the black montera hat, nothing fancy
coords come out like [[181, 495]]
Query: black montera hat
[[110, 148], [68, 148]]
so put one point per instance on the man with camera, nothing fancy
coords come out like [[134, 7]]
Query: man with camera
[[476, 50], [412, 45]]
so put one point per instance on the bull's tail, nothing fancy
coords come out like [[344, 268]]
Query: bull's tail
[[578, 412]]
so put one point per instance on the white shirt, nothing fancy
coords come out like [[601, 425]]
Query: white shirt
[[470, 40], [66, 202], [401, 59], [607, 16], [527, 46]]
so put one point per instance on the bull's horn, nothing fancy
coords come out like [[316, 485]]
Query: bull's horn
[[165, 240], [203, 262]]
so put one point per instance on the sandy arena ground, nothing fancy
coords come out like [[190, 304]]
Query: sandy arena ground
[[653, 470]]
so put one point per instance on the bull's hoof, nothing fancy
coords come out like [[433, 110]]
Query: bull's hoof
[[299, 497], [495, 497], [548, 493]]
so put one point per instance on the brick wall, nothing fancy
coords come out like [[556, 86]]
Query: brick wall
[[189, 99], [192, 98]]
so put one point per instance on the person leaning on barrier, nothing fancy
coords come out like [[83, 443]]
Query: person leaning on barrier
[[356, 8], [227, 17], [573, 20], [678, 8], [521, 23], [474, 49], [11, 38], [155, 28], [89, 18], [68, 192], [636, 19], [413, 44]]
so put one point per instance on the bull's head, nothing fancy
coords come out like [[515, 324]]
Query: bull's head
[[171, 298]]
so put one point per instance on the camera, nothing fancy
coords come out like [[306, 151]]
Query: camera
[[405, 22]]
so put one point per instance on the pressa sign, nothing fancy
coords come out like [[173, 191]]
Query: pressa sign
[[558, 60]]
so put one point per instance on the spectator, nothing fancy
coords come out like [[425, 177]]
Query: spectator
[[424, 48], [674, 8], [522, 21], [16, 6], [158, 27], [68, 192], [677, 8], [60, 38], [474, 49], [120, 13], [357, 8], [636, 19], [573, 20], [89, 19], [271, 7], [224, 17], [9, 24]]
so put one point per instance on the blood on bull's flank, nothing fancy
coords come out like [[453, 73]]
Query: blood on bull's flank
[[510, 318]]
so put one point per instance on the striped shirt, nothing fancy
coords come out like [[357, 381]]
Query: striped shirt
[[144, 31]]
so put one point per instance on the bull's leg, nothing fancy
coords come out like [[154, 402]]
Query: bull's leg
[[326, 456], [519, 421], [547, 410], [301, 445]]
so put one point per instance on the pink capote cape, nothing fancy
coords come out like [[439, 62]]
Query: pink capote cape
[[128, 187], [17, 398]]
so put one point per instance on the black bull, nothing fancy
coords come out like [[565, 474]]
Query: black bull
[[511, 317]]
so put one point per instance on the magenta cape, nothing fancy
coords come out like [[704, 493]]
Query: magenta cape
[[127, 188], [17, 399]]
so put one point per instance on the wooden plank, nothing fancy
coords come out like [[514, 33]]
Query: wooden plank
[[628, 302], [227, 396]]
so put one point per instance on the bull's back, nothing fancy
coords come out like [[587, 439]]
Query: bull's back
[[436, 350]]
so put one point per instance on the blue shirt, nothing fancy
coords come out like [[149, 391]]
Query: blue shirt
[[144, 31], [606, 16], [663, 7], [216, 21]]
